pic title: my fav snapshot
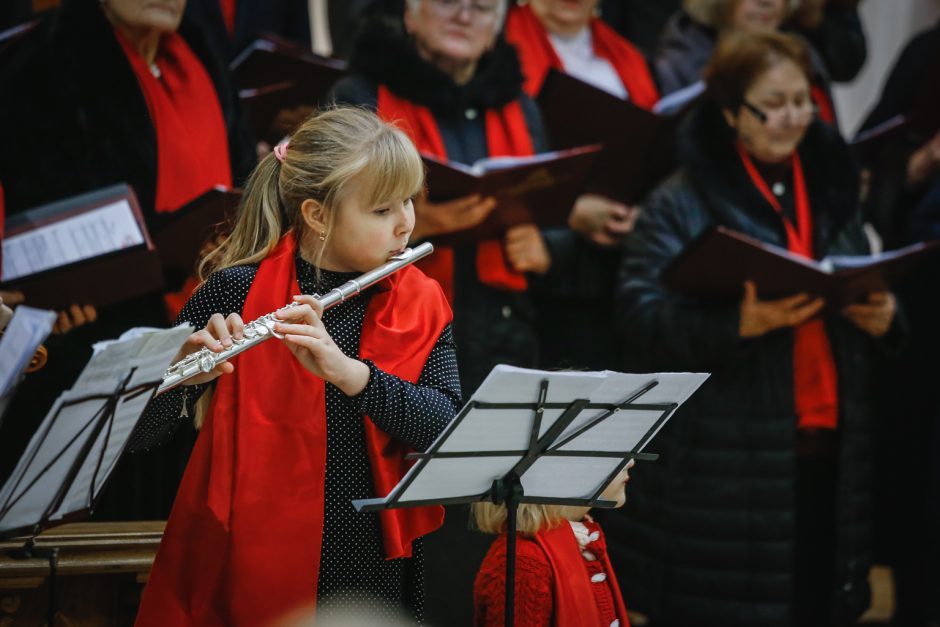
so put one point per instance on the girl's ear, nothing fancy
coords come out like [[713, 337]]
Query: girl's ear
[[314, 215]]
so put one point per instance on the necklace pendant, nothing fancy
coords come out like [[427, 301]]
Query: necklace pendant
[[778, 189]]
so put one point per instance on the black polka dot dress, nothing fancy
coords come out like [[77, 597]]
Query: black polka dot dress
[[353, 569]]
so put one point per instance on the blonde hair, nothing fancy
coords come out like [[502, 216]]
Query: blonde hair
[[717, 13], [328, 152], [530, 517]]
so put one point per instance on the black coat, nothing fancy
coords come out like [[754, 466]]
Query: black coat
[[79, 120], [707, 536]]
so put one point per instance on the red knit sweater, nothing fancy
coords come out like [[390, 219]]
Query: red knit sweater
[[534, 600]]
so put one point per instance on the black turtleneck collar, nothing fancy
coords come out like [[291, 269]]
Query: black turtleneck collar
[[385, 54]]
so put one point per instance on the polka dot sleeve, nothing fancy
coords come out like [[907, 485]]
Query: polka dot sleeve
[[415, 413], [224, 292]]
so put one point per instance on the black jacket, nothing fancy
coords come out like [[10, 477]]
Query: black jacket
[[79, 121], [707, 536]]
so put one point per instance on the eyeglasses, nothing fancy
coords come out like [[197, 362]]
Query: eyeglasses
[[477, 8], [774, 116]]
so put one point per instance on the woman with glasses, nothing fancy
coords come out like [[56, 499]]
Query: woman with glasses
[[759, 513], [691, 35]]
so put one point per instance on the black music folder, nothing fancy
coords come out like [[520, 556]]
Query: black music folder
[[716, 265], [90, 249], [181, 236], [274, 76], [639, 145], [540, 189]]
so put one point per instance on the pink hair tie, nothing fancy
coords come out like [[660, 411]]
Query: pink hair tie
[[280, 151]]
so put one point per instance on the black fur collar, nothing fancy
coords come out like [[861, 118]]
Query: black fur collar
[[385, 54], [707, 154]]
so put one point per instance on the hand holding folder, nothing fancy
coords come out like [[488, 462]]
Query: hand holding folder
[[540, 189], [715, 267]]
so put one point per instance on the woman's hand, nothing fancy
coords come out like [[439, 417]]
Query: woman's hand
[[74, 316], [759, 317], [306, 337], [875, 316], [217, 336], [438, 218], [526, 250], [602, 220], [925, 162], [8, 300]]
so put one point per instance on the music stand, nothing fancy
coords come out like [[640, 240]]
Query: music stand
[[26, 331], [568, 433], [68, 461]]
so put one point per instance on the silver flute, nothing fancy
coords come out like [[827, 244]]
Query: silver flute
[[261, 329]]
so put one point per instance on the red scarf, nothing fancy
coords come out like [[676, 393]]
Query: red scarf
[[815, 380], [192, 144], [537, 55], [228, 16], [506, 136], [242, 545], [574, 598], [827, 111]]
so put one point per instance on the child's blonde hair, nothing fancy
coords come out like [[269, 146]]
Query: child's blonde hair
[[330, 149], [530, 517]]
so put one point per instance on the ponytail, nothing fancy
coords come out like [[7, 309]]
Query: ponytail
[[259, 225]]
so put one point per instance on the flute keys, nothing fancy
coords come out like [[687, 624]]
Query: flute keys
[[206, 362]]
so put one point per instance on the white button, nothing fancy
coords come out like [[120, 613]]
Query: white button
[[589, 556], [778, 189], [594, 536], [507, 311], [471, 114], [599, 577], [616, 623]]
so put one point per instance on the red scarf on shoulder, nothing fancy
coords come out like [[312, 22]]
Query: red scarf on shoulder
[[506, 136], [191, 137], [242, 545], [537, 55], [574, 598], [192, 143], [815, 381]]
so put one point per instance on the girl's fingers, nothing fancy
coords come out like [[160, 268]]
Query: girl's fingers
[[235, 326], [204, 337], [306, 299], [219, 329], [299, 329]]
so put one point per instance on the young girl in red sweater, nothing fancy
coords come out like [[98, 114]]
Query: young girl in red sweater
[[563, 575]]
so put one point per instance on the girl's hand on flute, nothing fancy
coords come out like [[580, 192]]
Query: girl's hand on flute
[[306, 337], [217, 336]]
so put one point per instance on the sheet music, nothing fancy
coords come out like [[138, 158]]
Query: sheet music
[[69, 426], [27, 329], [103, 230], [507, 432]]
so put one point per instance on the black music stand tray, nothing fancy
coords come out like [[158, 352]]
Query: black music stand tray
[[560, 434]]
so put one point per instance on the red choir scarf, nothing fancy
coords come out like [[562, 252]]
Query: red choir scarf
[[574, 598], [228, 16], [537, 55], [506, 136], [242, 545], [815, 380], [192, 142], [826, 109]]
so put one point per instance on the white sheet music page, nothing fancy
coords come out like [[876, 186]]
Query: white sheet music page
[[28, 328], [71, 426], [636, 407], [106, 229]]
